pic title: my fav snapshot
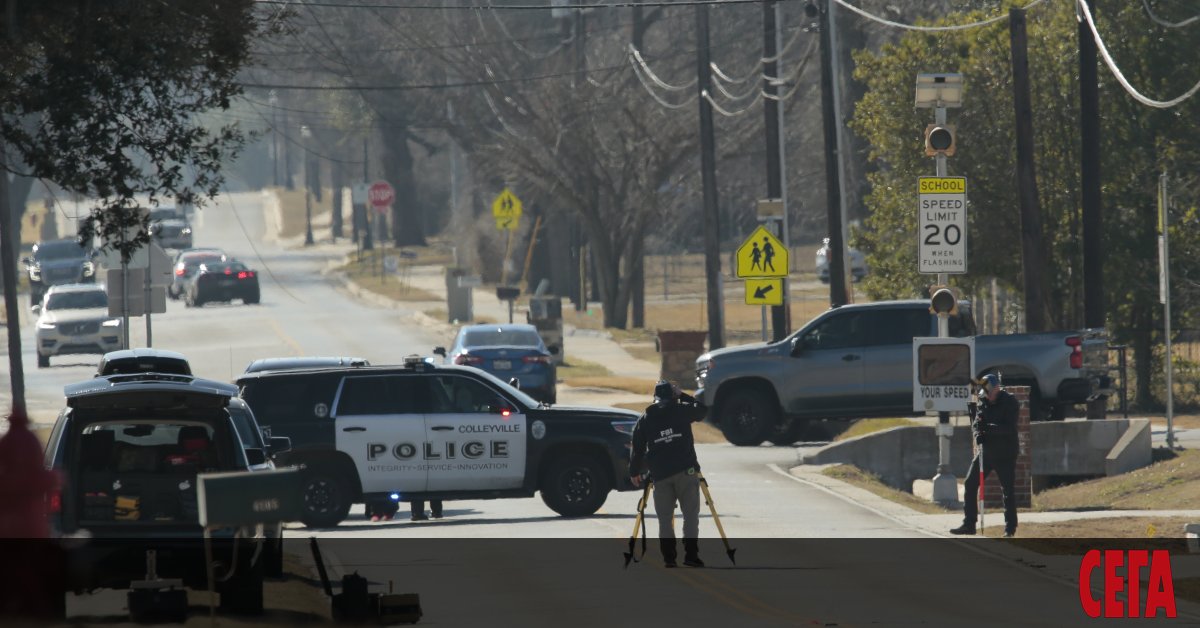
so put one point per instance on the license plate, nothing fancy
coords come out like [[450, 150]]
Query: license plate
[[225, 283], [501, 365]]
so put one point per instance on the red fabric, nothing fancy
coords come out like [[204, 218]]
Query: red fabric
[[24, 483]]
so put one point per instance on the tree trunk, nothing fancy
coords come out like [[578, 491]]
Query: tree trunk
[[407, 226], [10, 241], [337, 182], [638, 280]]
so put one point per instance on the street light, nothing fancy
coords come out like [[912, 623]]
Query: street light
[[308, 234]]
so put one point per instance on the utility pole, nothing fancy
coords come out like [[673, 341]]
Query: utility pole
[[833, 185], [708, 175], [368, 221], [1164, 296], [1089, 179], [8, 253], [638, 277], [1031, 211], [776, 158]]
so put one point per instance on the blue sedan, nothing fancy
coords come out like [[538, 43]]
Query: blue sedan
[[507, 351]]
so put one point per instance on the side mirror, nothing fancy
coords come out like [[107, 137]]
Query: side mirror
[[554, 349], [28, 261], [36, 307], [515, 383], [797, 346], [256, 456], [280, 445], [439, 351]]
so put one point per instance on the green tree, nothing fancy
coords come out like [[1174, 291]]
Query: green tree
[[1138, 142]]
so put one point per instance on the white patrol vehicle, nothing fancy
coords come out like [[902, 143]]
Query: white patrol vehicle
[[385, 434]]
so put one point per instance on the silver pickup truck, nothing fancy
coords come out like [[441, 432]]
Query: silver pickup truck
[[855, 361]]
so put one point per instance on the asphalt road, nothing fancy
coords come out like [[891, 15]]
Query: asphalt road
[[805, 556]]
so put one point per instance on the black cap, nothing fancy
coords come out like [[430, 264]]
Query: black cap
[[663, 391]]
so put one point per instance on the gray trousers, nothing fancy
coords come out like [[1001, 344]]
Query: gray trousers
[[685, 489]]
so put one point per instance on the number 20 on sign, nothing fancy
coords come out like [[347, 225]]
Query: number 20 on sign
[[942, 225]]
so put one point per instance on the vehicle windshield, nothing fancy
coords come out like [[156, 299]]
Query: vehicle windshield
[[525, 399], [196, 261], [77, 300], [165, 213], [60, 249], [499, 337], [251, 438]]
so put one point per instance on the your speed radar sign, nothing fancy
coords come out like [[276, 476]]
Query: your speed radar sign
[[942, 225]]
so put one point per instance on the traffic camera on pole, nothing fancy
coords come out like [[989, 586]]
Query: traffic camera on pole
[[939, 140], [943, 301]]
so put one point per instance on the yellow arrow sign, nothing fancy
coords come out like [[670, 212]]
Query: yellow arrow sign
[[764, 292], [507, 224], [762, 255], [506, 205]]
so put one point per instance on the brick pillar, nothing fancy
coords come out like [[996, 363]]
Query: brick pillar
[[679, 351], [992, 498]]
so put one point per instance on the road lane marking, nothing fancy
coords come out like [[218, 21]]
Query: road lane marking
[[288, 340]]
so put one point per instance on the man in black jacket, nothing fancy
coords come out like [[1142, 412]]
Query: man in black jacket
[[995, 431], [662, 440]]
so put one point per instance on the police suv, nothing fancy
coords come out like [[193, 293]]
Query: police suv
[[383, 434]]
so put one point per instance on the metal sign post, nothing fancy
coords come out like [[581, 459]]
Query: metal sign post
[[939, 91], [1164, 296]]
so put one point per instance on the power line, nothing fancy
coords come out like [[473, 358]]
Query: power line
[[653, 94], [414, 86], [624, 4], [1116, 71], [1166, 24], [950, 27], [637, 55], [727, 113]]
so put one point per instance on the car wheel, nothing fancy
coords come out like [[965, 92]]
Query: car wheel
[[252, 299], [786, 433], [43, 361], [326, 499], [575, 485], [748, 417]]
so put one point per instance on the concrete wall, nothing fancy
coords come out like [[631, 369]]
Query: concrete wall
[[903, 454]]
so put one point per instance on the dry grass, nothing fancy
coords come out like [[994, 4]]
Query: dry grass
[[863, 427], [702, 433], [366, 273], [642, 351], [615, 382], [1107, 528], [1179, 421], [575, 368], [854, 476], [1169, 484], [742, 322]]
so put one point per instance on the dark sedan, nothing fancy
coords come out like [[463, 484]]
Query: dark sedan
[[186, 264], [222, 281]]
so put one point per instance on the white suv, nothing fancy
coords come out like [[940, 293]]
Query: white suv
[[72, 319]]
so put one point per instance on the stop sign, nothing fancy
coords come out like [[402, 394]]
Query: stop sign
[[380, 196]]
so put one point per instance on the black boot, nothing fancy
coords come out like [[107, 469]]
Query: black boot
[[968, 527], [691, 553], [668, 551]]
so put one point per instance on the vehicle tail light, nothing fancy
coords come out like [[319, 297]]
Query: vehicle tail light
[[54, 503], [178, 272], [1076, 358], [536, 359], [467, 360], [228, 271], [243, 274]]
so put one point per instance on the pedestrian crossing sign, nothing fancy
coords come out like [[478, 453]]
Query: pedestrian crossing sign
[[762, 255]]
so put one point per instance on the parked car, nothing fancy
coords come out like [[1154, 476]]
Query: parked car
[[170, 228], [305, 362], [187, 263], [372, 434], [73, 319], [58, 262], [222, 281], [858, 263], [855, 361], [143, 360], [507, 351], [128, 449]]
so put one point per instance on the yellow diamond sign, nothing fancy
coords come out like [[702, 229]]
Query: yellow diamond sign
[[506, 205], [762, 255]]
